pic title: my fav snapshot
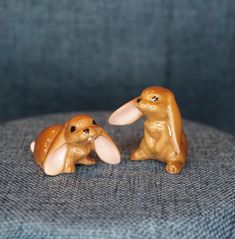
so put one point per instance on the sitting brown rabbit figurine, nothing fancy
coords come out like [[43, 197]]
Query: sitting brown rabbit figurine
[[59, 147], [164, 138]]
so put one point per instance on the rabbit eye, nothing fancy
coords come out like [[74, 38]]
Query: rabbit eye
[[93, 122], [72, 129], [155, 98]]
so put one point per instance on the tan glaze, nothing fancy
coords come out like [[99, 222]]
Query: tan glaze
[[58, 148], [164, 138]]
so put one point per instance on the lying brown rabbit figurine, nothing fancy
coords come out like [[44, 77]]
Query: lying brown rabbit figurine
[[59, 147], [164, 138]]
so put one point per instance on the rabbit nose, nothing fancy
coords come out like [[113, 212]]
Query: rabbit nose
[[86, 131], [138, 100]]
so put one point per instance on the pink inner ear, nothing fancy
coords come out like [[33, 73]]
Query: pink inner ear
[[107, 150], [126, 114], [54, 163]]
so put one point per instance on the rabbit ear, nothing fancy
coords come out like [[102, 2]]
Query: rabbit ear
[[175, 122], [126, 114], [55, 158], [106, 149]]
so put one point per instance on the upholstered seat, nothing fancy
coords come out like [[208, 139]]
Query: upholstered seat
[[129, 200]]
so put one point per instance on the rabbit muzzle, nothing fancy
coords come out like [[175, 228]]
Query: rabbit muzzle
[[146, 107]]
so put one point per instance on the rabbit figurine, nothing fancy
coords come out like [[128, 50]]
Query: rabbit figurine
[[164, 138], [59, 147]]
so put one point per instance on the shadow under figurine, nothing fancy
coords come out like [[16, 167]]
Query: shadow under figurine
[[59, 147], [164, 138]]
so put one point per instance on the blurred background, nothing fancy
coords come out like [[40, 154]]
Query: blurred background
[[74, 55]]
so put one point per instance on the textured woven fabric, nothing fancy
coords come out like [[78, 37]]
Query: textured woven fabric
[[66, 55], [129, 200]]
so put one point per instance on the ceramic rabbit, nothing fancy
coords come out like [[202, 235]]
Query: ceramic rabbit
[[164, 138], [59, 147]]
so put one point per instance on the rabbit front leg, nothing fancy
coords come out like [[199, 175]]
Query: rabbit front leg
[[144, 150], [163, 140], [69, 161], [75, 153]]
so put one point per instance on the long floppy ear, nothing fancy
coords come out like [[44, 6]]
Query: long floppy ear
[[175, 122], [126, 114], [55, 158], [106, 149]]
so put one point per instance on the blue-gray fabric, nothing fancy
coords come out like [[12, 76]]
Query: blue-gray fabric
[[65, 55], [130, 200]]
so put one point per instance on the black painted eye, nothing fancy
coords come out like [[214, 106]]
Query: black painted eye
[[72, 129], [155, 98], [93, 122]]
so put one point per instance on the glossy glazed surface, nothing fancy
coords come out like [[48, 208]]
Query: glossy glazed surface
[[58, 148], [164, 138]]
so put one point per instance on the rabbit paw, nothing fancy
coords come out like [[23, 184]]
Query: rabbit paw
[[139, 154], [87, 161], [174, 167], [69, 169]]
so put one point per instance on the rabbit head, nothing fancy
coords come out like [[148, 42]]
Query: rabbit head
[[81, 129], [156, 103]]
